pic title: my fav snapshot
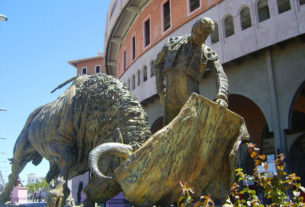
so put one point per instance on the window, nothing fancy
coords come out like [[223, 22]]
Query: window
[[263, 10], [84, 71], [145, 73], [302, 2], [128, 84], [97, 69], [147, 32], [229, 26], [124, 61], [245, 18], [193, 5], [166, 16], [283, 5], [215, 34], [133, 47], [133, 82], [139, 77], [152, 68]]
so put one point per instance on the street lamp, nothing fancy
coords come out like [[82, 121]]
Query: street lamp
[[3, 17]]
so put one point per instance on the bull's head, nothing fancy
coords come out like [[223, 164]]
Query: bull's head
[[119, 150]]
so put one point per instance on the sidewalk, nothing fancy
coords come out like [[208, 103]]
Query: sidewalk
[[29, 204]]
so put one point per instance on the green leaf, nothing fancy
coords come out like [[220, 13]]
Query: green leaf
[[240, 179], [252, 192]]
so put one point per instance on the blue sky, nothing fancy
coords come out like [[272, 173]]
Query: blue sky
[[35, 44]]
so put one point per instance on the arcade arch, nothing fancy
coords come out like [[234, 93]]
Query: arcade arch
[[296, 133], [157, 125], [253, 115]]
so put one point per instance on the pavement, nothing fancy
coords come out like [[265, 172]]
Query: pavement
[[28, 204], [41, 204], [31, 204]]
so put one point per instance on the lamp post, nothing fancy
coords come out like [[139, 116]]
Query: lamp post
[[3, 17]]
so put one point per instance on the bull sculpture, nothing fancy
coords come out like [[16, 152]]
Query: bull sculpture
[[94, 110]]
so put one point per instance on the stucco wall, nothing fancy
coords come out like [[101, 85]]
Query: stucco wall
[[250, 78], [289, 72], [90, 65]]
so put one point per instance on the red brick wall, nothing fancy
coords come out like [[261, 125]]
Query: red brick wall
[[179, 16]]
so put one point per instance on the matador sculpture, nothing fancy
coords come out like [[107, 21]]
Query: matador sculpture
[[180, 66]]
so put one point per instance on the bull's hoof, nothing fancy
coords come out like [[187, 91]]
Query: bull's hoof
[[55, 199]]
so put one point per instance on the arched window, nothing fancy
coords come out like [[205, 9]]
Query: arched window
[[302, 2], [128, 84], [229, 26], [263, 10], [283, 5], [215, 34], [139, 77], [133, 82], [152, 68], [245, 18], [145, 73]]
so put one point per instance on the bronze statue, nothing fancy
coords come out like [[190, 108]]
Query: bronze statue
[[95, 109], [180, 66], [199, 147]]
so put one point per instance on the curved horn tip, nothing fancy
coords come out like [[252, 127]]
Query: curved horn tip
[[106, 177]]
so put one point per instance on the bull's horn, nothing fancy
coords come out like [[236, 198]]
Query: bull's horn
[[116, 149]]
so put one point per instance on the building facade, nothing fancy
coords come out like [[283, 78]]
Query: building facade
[[33, 178], [90, 65], [261, 44]]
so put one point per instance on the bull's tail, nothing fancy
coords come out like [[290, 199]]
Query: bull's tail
[[64, 83], [23, 153]]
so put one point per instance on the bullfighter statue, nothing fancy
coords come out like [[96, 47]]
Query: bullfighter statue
[[180, 66]]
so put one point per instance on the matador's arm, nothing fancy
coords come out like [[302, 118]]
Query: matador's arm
[[221, 81], [160, 78]]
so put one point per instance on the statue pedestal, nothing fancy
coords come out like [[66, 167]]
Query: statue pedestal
[[19, 195], [117, 201]]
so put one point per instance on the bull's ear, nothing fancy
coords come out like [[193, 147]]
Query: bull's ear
[[118, 136]]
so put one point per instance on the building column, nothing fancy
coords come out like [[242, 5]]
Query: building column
[[280, 140]]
